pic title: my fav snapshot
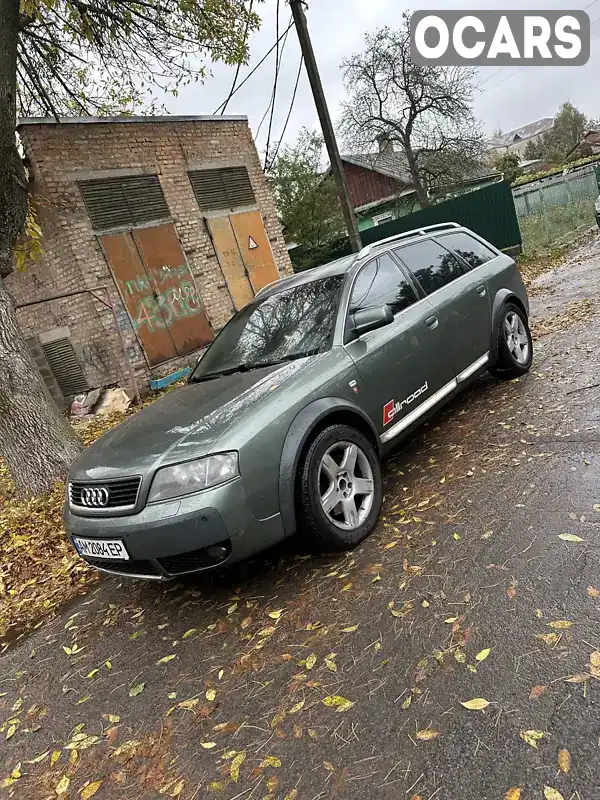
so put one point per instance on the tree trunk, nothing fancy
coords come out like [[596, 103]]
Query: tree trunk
[[36, 443], [416, 177]]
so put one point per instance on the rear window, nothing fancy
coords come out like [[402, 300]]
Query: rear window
[[474, 252]]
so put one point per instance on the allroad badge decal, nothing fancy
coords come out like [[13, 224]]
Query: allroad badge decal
[[393, 408]]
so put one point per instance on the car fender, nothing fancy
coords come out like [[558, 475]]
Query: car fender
[[300, 430], [503, 296]]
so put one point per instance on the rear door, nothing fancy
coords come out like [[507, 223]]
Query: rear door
[[461, 301], [402, 368]]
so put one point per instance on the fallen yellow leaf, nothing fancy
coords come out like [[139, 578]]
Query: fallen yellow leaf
[[427, 734], [337, 702], [311, 661], [166, 659], [595, 658], [477, 704], [513, 794], [237, 762], [532, 737], [270, 761], [90, 790], [298, 707], [210, 695], [560, 624], [276, 614], [483, 654], [564, 760], [291, 795], [570, 537], [62, 787], [548, 638], [592, 592], [552, 794], [208, 745], [351, 629]]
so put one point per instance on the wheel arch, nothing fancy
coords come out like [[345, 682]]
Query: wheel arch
[[503, 297], [313, 418]]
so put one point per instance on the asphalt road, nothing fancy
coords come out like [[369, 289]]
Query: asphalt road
[[343, 677]]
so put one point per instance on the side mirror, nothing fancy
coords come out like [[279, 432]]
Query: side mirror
[[369, 319]]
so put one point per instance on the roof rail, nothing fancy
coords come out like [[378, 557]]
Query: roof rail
[[416, 232]]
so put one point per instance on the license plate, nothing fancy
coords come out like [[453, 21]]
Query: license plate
[[112, 549]]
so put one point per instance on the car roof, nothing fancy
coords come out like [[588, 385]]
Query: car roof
[[342, 265]]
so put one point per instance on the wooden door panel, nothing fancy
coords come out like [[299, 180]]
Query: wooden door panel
[[255, 248], [230, 260], [137, 294], [175, 290]]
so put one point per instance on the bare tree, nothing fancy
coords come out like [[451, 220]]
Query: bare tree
[[80, 57], [426, 111]]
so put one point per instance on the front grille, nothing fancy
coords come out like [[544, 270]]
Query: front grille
[[110, 494], [194, 560], [126, 567]]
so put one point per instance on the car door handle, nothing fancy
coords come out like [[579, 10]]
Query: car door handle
[[481, 290], [432, 322]]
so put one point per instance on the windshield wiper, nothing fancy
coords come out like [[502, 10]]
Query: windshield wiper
[[248, 367]]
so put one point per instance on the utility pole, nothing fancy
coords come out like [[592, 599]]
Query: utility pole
[[326, 125]]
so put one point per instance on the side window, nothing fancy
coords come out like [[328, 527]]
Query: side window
[[381, 282], [474, 252], [431, 264]]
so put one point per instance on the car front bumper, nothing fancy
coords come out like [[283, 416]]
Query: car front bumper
[[178, 537]]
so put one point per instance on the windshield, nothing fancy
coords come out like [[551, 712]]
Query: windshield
[[296, 322]]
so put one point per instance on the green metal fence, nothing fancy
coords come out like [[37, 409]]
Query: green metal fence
[[489, 211], [551, 209]]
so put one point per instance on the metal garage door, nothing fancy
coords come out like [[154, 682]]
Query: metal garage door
[[158, 290]]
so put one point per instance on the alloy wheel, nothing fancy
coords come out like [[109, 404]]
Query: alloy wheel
[[346, 485], [516, 337]]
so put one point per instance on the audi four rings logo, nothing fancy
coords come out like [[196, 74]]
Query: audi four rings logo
[[95, 497]]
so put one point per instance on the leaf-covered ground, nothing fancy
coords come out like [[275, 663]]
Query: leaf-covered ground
[[455, 655], [39, 570]]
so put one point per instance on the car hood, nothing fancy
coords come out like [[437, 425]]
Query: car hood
[[185, 424]]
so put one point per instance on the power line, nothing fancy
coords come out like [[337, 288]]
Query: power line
[[284, 129], [489, 77], [278, 58], [270, 106], [250, 74], [239, 66], [512, 74]]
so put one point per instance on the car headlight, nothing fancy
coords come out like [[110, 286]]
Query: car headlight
[[193, 476]]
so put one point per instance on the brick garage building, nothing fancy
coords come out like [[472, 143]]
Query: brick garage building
[[173, 215]]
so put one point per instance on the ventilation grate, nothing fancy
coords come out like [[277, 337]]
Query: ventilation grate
[[225, 188], [65, 367], [118, 202]]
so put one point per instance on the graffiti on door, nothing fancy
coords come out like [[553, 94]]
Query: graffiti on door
[[158, 291], [158, 309]]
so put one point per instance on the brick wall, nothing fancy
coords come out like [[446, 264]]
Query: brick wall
[[61, 154]]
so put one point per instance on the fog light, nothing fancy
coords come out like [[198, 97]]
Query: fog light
[[217, 552]]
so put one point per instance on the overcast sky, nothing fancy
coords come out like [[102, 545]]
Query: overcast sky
[[505, 99]]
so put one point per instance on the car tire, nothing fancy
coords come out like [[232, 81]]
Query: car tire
[[340, 464], [515, 345]]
